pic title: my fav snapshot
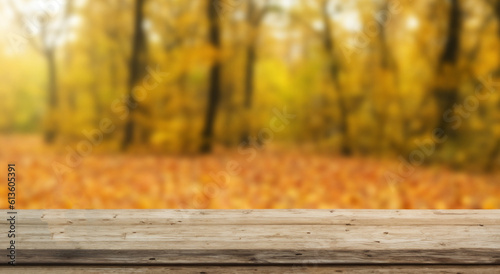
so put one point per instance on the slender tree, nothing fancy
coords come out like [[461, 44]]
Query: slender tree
[[254, 18], [116, 52], [387, 62], [50, 30], [497, 13], [137, 60], [53, 102], [214, 86], [446, 91], [495, 152], [389, 78], [333, 69]]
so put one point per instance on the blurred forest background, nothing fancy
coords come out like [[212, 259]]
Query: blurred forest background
[[251, 104]]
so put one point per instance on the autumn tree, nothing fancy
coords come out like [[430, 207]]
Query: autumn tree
[[388, 74], [495, 152], [496, 6], [333, 69], [254, 19], [214, 79], [116, 52], [136, 67], [446, 91], [47, 28]]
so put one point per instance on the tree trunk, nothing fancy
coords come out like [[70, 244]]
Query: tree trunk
[[492, 162], [94, 89], [53, 100], [386, 82], [136, 63], [386, 60], [113, 72], [446, 92], [214, 88], [333, 68], [497, 12], [249, 72]]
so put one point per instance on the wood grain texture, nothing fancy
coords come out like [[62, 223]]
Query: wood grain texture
[[256, 237], [285, 269]]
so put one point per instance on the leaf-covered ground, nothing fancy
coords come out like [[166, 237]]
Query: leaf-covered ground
[[270, 179]]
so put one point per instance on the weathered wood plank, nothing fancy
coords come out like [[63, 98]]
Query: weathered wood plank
[[257, 237], [286, 269], [265, 256], [259, 217]]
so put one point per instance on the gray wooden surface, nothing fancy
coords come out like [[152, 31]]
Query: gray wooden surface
[[286, 269], [257, 238]]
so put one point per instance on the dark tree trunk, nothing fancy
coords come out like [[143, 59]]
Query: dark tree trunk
[[249, 71], [249, 78], [492, 158], [94, 89], [136, 62], [333, 68], [492, 162], [452, 47], [214, 88], [446, 92], [386, 60], [495, 5], [53, 99]]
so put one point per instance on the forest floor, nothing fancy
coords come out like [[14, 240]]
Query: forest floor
[[266, 179]]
